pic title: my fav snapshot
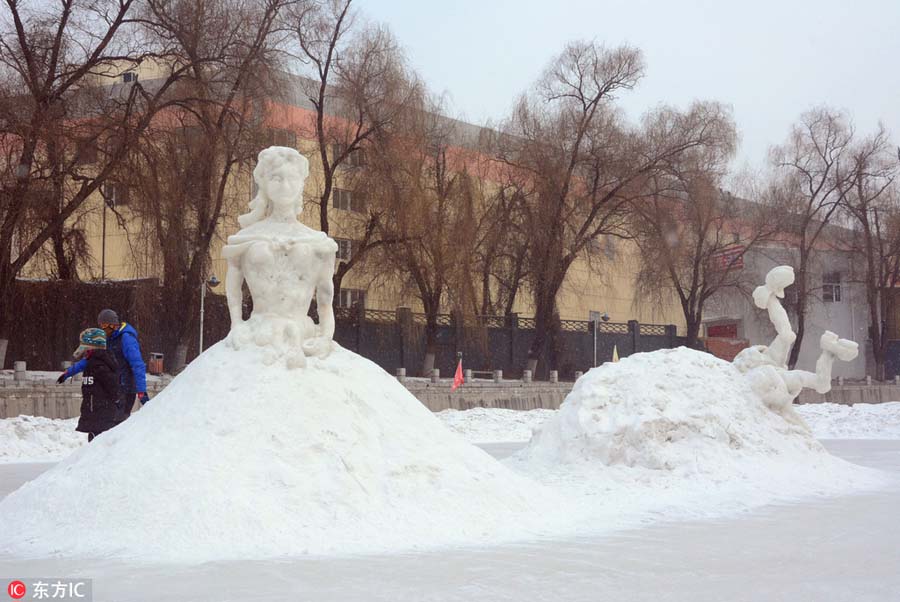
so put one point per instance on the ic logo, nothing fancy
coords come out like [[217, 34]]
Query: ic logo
[[16, 590]]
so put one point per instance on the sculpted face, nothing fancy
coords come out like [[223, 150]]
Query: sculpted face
[[283, 185]]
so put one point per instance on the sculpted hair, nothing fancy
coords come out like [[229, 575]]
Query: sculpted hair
[[270, 159]]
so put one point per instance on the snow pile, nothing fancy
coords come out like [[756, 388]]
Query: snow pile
[[859, 421], [677, 409], [492, 425], [679, 433], [38, 439], [236, 459]]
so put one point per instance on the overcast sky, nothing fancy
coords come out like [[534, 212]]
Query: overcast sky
[[770, 60]]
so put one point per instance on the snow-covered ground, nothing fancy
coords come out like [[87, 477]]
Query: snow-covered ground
[[38, 439], [839, 549], [843, 549], [859, 421], [494, 425]]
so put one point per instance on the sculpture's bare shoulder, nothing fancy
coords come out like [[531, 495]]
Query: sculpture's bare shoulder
[[278, 233]]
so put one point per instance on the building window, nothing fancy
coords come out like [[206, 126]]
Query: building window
[[345, 249], [85, 152], [609, 246], [280, 137], [191, 138], [355, 159], [348, 200], [351, 297], [831, 287], [129, 77], [115, 194]]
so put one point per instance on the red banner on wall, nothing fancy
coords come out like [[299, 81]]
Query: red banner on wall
[[730, 258]]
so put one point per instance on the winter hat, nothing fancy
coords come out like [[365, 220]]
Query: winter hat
[[91, 338], [108, 316]]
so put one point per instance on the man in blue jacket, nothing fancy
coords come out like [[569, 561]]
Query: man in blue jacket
[[121, 341]]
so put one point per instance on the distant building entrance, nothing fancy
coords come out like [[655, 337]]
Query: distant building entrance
[[722, 331], [722, 340]]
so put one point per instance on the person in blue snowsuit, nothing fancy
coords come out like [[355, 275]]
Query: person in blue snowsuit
[[122, 342]]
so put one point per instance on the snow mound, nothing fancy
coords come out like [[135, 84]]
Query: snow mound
[[678, 435], [859, 421], [38, 439], [679, 411], [236, 459]]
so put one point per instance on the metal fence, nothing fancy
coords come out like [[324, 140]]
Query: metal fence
[[51, 314], [396, 339]]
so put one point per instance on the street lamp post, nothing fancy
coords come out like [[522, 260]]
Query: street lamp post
[[212, 283], [108, 203], [605, 318]]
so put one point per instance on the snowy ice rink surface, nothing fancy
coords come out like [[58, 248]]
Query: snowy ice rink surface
[[837, 549]]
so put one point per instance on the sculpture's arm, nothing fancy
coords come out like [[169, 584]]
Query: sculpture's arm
[[779, 318], [780, 348], [234, 282], [325, 298]]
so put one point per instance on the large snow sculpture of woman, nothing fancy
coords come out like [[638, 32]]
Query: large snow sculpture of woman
[[283, 263], [766, 366]]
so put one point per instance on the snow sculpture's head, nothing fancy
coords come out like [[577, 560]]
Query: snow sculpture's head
[[279, 175], [778, 279]]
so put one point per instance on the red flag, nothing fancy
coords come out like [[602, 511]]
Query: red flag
[[458, 377]]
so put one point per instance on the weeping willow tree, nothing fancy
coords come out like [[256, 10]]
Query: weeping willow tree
[[182, 177], [421, 180]]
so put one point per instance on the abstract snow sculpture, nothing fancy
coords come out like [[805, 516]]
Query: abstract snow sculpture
[[283, 262], [766, 368]]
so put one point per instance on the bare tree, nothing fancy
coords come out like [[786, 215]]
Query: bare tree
[[501, 250], [579, 166], [181, 174], [359, 86], [694, 243], [809, 180], [692, 235], [429, 197], [871, 198], [67, 255], [56, 63]]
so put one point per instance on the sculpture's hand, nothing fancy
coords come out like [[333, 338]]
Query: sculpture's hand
[[318, 347], [842, 349]]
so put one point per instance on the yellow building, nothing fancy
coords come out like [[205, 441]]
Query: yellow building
[[602, 285]]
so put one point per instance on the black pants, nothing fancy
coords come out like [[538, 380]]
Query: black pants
[[91, 437], [124, 406]]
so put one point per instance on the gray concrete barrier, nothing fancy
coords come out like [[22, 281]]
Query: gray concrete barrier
[[43, 397]]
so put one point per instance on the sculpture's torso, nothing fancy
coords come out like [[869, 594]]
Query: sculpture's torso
[[280, 263], [280, 275]]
